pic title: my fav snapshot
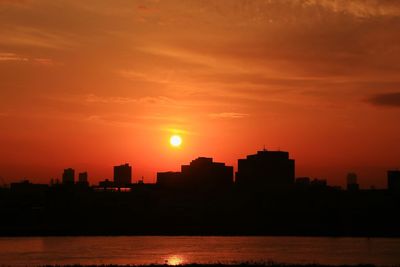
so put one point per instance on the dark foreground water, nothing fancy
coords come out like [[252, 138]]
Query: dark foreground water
[[179, 250]]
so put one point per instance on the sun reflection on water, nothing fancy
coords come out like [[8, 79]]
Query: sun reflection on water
[[174, 260]]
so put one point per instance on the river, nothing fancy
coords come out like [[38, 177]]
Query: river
[[23, 251]]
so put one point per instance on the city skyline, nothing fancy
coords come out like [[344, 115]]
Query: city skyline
[[123, 174], [203, 198]]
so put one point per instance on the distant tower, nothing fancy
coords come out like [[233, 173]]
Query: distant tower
[[68, 176], [83, 178], [393, 179], [122, 175], [352, 184]]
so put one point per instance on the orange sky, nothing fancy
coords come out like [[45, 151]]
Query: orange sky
[[91, 84]]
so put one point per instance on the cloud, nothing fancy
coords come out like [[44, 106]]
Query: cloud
[[92, 98], [114, 120], [14, 2], [386, 99], [139, 76], [129, 120], [39, 37], [186, 55], [228, 115], [359, 8], [44, 61], [12, 57]]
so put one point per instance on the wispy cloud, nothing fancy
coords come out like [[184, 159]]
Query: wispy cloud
[[36, 37], [12, 57], [140, 76], [359, 8], [44, 61], [386, 99], [195, 58], [14, 2], [229, 115], [115, 120], [92, 98]]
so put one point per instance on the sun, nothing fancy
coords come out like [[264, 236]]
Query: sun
[[174, 260], [175, 140]]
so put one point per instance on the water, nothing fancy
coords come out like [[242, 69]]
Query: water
[[22, 251]]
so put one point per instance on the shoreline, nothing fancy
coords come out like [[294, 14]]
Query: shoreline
[[244, 264], [192, 235]]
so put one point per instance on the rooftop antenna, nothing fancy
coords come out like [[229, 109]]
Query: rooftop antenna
[[141, 181]]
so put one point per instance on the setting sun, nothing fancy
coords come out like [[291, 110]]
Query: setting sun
[[175, 141], [174, 260]]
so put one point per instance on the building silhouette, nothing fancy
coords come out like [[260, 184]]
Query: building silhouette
[[318, 183], [302, 182], [266, 170], [202, 199], [352, 184], [122, 175], [27, 187], [83, 178], [169, 179], [106, 184], [393, 180], [201, 173], [68, 177]]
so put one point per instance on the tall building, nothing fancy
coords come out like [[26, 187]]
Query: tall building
[[83, 178], [123, 175], [266, 170], [201, 173], [352, 184], [393, 179], [68, 176]]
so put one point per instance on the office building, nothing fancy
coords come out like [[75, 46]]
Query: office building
[[201, 173], [266, 170], [122, 175], [83, 178], [352, 184], [68, 177]]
